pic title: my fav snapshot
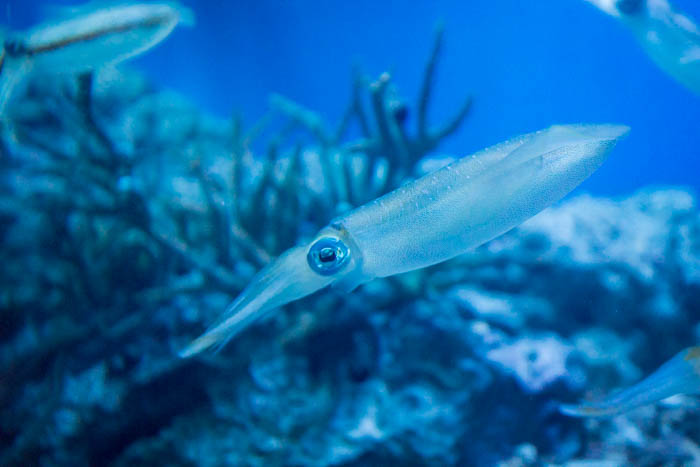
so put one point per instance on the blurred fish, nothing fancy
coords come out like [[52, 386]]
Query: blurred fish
[[432, 219], [680, 375], [85, 39], [669, 37]]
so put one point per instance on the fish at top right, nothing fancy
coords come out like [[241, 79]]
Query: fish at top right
[[668, 36]]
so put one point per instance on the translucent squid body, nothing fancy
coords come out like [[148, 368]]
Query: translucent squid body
[[680, 375], [670, 38], [427, 221], [88, 38]]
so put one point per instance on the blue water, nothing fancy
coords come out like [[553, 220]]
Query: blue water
[[125, 233], [527, 64]]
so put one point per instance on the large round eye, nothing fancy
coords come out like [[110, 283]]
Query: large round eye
[[328, 256], [630, 7]]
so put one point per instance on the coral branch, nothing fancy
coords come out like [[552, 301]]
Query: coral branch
[[452, 125], [84, 101], [305, 117], [221, 278], [428, 82]]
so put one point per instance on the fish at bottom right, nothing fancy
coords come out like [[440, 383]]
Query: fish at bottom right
[[679, 375]]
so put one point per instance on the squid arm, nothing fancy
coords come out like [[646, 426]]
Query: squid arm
[[679, 375], [432, 219]]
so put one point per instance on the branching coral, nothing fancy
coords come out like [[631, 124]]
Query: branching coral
[[315, 183], [132, 205]]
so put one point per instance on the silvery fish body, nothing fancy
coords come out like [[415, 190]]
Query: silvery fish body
[[427, 221], [669, 37], [87, 40]]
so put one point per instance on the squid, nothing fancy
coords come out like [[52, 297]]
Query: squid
[[86, 39], [679, 375], [669, 37], [427, 221]]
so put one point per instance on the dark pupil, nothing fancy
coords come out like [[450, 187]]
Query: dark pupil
[[326, 255]]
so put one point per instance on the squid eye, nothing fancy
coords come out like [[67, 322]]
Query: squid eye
[[328, 256]]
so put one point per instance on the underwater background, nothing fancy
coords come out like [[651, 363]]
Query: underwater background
[[132, 214], [527, 64]]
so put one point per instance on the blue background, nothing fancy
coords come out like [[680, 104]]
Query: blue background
[[528, 64]]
